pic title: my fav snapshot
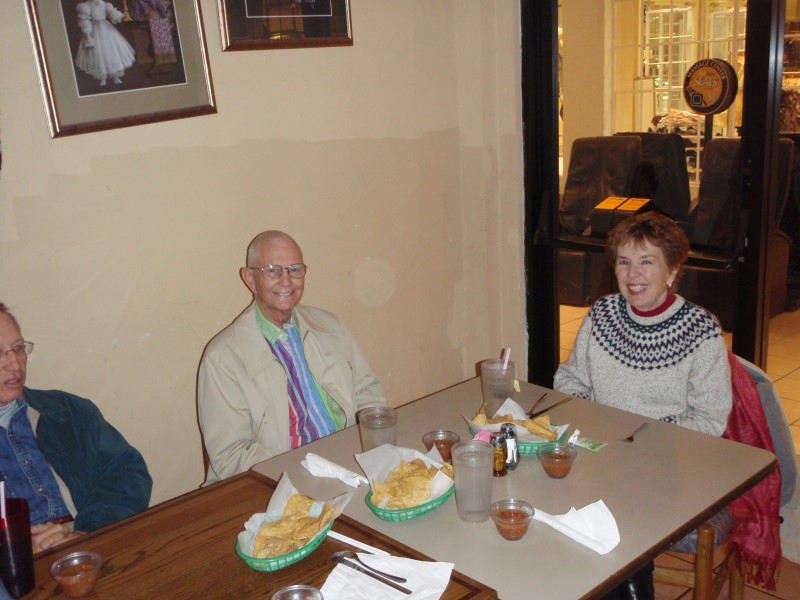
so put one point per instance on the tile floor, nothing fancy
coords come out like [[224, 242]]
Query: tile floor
[[783, 367]]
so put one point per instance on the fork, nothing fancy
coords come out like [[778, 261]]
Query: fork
[[358, 567], [635, 431]]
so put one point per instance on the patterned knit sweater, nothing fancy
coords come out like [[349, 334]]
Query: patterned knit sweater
[[672, 366]]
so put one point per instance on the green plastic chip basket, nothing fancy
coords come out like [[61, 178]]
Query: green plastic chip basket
[[530, 448], [279, 562], [405, 514]]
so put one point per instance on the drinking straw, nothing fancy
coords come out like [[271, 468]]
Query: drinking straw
[[3, 504], [506, 355]]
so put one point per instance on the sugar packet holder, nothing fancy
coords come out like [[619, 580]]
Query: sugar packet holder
[[590, 444]]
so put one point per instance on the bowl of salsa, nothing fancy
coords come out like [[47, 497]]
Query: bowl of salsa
[[557, 459], [511, 517], [77, 573], [443, 440]]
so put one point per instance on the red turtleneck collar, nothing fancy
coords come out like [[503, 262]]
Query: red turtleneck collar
[[658, 310]]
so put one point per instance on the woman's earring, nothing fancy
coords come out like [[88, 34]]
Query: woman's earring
[[669, 285]]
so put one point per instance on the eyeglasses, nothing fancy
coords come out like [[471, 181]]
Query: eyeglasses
[[20, 350], [296, 271]]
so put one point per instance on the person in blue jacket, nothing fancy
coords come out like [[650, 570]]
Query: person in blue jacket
[[57, 451]]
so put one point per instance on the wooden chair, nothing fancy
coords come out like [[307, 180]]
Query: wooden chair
[[707, 579]]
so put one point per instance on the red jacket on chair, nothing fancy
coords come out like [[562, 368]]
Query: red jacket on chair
[[756, 522]]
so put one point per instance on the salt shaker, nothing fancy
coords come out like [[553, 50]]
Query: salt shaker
[[512, 448]]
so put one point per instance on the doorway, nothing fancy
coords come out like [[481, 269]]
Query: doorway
[[544, 237]]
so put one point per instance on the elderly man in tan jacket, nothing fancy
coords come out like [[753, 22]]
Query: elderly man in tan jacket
[[282, 374]]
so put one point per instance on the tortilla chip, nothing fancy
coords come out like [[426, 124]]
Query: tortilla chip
[[293, 530], [540, 426], [407, 486], [298, 503]]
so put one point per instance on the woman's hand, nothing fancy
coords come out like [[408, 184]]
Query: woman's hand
[[47, 535]]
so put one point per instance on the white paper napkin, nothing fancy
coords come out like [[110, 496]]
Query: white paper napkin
[[593, 526], [426, 580], [322, 467]]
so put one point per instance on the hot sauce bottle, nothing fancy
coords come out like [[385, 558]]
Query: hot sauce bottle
[[499, 445]]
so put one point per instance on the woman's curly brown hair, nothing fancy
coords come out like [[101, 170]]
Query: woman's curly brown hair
[[657, 229]]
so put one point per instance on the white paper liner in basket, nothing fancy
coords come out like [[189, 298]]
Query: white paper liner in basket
[[277, 504], [379, 462]]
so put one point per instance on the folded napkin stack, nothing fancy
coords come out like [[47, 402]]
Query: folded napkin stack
[[322, 467], [426, 580], [593, 526]]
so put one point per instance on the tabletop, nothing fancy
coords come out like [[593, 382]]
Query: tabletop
[[184, 548], [658, 488]]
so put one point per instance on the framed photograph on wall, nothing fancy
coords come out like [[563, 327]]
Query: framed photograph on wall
[[267, 24], [105, 64]]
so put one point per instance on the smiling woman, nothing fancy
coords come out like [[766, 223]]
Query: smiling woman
[[647, 350], [647, 255], [643, 275]]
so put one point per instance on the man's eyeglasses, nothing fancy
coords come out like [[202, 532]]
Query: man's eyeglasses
[[20, 350], [296, 271]]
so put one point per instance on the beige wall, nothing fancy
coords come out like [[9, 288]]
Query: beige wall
[[395, 163]]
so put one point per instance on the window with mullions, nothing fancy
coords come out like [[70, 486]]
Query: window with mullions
[[654, 44]]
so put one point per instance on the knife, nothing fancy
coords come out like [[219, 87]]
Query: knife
[[357, 567], [544, 410]]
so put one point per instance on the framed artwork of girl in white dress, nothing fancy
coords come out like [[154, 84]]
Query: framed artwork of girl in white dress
[[116, 63]]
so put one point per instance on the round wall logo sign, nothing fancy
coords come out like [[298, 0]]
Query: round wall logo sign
[[710, 86]]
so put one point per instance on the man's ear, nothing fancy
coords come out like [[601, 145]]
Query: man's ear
[[248, 278]]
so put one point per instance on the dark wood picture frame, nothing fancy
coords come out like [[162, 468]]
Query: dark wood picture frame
[[274, 24], [166, 73]]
